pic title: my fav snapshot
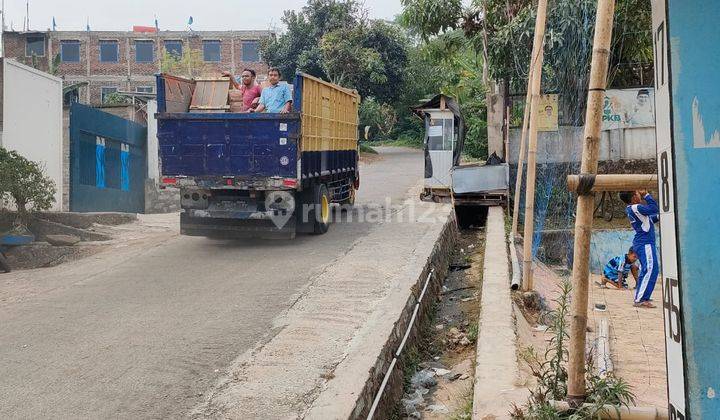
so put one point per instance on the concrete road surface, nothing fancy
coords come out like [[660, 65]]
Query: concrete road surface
[[145, 329]]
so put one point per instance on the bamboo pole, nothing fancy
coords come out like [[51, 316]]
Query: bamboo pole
[[506, 156], [521, 152], [586, 202], [532, 147], [616, 182], [612, 412]]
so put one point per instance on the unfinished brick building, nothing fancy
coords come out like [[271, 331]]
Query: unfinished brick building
[[102, 62]]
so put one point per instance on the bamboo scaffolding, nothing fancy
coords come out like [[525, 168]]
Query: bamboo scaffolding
[[521, 152], [615, 182], [532, 145], [586, 202]]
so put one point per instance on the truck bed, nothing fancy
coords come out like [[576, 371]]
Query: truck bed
[[318, 139], [225, 144]]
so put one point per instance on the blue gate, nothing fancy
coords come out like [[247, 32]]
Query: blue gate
[[108, 163]]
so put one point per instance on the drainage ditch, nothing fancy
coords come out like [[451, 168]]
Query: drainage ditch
[[438, 364]]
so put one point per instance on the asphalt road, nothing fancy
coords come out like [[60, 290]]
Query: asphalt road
[[144, 331]]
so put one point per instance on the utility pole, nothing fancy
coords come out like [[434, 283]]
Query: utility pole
[[537, 62], [586, 200]]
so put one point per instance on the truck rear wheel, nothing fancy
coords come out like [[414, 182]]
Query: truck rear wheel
[[4, 266], [321, 209]]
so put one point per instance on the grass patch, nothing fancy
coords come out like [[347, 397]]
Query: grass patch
[[465, 411], [364, 148], [415, 143]]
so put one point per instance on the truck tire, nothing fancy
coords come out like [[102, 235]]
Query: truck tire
[[4, 266], [321, 209]]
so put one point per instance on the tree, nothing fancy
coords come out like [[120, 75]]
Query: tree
[[381, 118], [298, 49], [191, 64], [347, 62], [23, 183], [504, 29], [333, 40]]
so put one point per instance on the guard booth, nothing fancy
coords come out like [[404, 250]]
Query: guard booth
[[443, 144]]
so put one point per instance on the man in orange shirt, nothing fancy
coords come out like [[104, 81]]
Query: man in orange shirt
[[245, 97]]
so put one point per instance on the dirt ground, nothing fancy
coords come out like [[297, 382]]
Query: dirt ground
[[637, 338]]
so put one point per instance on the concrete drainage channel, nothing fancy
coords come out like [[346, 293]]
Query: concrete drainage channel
[[387, 373], [438, 325]]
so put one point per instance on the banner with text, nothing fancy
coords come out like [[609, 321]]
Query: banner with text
[[629, 108]]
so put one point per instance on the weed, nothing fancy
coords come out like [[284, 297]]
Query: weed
[[472, 334], [465, 411], [364, 148], [551, 375]]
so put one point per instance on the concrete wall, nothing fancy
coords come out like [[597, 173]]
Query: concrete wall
[[556, 246], [33, 119], [565, 145], [157, 200], [153, 156]]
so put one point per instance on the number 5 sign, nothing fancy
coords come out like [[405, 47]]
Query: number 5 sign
[[687, 99]]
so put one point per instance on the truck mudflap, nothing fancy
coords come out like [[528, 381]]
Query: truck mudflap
[[237, 225]]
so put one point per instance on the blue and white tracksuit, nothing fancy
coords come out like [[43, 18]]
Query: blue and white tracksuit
[[617, 270], [643, 219]]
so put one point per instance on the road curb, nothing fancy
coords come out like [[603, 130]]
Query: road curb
[[358, 377], [496, 369]]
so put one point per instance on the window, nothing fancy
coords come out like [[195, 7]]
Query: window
[[144, 89], [439, 134], [70, 51], [105, 91], [144, 51], [109, 51], [211, 51], [250, 51], [35, 45], [174, 48]]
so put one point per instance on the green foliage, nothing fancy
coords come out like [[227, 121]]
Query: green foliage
[[347, 62], [551, 374], [364, 148], [505, 30], [191, 64], [333, 40], [23, 183], [431, 17], [116, 99], [381, 118]]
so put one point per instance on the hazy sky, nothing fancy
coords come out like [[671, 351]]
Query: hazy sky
[[171, 14]]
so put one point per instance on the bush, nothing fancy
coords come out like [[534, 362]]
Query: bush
[[381, 118], [23, 183]]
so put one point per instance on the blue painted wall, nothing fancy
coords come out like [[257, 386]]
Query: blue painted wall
[[695, 87]]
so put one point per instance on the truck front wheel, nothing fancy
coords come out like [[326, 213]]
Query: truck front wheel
[[321, 209]]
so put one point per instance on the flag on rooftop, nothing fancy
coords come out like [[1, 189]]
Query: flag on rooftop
[[190, 21], [54, 25]]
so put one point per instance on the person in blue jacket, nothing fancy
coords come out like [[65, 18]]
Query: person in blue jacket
[[643, 212], [617, 269]]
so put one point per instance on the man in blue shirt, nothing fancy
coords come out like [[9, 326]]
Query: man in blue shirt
[[643, 212], [275, 98], [617, 269]]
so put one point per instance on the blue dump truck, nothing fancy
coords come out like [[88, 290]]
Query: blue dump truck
[[257, 174]]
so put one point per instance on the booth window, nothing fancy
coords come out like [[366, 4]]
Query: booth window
[[440, 134]]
